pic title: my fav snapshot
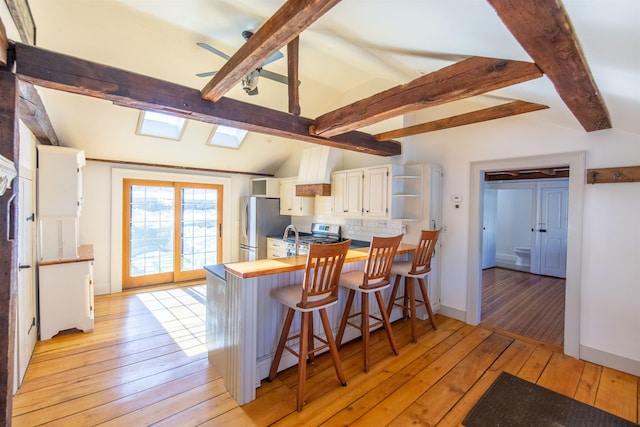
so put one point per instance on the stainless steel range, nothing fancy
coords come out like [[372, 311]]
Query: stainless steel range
[[320, 233]]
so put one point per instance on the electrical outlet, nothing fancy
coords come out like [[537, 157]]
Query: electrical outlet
[[404, 228], [382, 223]]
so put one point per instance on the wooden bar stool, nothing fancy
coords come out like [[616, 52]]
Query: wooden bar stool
[[373, 279], [318, 291], [416, 269]]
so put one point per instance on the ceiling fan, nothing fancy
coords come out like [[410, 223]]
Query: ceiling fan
[[250, 82]]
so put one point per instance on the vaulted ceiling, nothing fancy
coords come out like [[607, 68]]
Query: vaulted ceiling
[[362, 65]]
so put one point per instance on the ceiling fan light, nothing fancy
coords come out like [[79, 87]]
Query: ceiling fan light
[[250, 82]]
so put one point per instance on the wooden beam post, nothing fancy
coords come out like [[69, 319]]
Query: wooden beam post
[[8, 243], [292, 73]]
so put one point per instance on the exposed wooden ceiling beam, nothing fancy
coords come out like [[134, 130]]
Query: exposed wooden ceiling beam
[[61, 72], [293, 49], [290, 20], [544, 30], [4, 43], [34, 115], [491, 113], [21, 15], [470, 77]]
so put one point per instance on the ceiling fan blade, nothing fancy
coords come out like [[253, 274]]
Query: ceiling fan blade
[[276, 55], [273, 76], [213, 50], [207, 74]]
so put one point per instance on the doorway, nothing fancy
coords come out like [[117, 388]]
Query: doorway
[[525, 225], [576, 163], [170, 231]]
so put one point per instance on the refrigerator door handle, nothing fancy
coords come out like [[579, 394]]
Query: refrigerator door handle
[[245, 218]]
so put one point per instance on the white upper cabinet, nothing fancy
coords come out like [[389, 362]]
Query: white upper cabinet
[[290, 204], [59, 181], [361, 193], [375, 201], [265, 187], [346, 190]]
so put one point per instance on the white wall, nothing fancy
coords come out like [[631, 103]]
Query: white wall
[[98, 226], [514, 220], [609, 306]]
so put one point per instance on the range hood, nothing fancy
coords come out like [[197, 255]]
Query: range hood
[[314, 176]]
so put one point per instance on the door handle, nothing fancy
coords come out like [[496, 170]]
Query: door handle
[[21, 266], [542, 230]]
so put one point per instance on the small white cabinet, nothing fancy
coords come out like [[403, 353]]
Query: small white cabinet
[[59, 181], [66, 294], [265, 187], [293, 205]]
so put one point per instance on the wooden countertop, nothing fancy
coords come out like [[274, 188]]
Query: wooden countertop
[[265, 267], [85, 253]]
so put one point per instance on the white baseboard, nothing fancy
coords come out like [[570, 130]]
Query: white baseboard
[[609, 360], [454, 313]]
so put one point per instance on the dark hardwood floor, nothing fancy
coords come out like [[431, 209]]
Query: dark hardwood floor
[[524, 304], [145, 364]]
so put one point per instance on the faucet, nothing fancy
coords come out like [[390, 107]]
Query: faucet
[[285, 236]]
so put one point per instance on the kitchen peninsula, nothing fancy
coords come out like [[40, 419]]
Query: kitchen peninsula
[[244, 322]]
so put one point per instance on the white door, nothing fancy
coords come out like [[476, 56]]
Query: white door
[[551, 230], [489, 225], [26, 330]]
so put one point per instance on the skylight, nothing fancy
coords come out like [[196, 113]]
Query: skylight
[[227, 137], [160, 125]]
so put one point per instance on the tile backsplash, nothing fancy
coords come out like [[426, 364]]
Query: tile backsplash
[[357, 229]]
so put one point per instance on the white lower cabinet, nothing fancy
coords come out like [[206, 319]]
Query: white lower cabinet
[[66, 297], [276, 248]]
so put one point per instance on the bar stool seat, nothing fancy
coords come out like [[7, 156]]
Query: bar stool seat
[[417, 269], [318, 291], [372, 280]]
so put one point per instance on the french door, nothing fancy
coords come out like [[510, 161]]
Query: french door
[[171, 230]]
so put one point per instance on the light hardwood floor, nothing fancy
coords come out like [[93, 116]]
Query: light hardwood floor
[[145, 364], [524, 304]]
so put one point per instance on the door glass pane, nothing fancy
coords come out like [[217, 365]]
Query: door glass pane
[[198, 228], [151, 230]]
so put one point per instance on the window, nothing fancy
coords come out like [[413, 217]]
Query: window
[[223, 136], [170, 231], [160, 125]]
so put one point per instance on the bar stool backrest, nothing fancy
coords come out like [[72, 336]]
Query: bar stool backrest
[[424, 252], [321, 274], [378, 266]]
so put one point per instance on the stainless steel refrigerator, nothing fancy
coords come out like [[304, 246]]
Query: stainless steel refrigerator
[[259, 217]]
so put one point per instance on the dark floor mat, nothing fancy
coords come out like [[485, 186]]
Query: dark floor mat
[[511, 401]]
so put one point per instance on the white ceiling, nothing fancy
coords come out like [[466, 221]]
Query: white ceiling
[[358, 48]]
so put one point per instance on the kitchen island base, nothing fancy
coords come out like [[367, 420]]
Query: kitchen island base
[[244, 322]]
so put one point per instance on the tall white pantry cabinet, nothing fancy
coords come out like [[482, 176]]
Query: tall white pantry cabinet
[[65, 269]]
